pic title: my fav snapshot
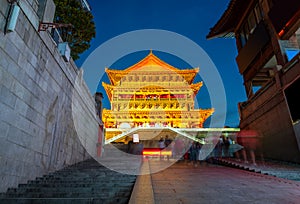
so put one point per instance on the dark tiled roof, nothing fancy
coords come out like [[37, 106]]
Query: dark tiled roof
[[229, 20]]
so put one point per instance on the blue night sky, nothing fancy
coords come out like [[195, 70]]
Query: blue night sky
[[192, 19]]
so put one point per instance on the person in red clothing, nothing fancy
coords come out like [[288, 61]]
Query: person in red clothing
[[250, 140], [178, 148]]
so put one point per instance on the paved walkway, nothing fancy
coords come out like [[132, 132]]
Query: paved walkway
[[207, 183]]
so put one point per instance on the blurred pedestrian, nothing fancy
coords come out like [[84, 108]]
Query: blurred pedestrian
[[161, 145], [178, 148], [168, 142], [193, 154], [250, 141], [219, 147], [227, 143]]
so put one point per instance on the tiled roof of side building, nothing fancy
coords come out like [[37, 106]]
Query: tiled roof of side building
[[228, 21]]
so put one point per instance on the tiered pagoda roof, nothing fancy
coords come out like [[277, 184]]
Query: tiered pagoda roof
[[153, 92], [150, 63], [153, 64]]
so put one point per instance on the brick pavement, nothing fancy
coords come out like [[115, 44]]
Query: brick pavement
[[208, 183]]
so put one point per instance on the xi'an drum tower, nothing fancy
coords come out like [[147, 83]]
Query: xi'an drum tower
[[151, 94]]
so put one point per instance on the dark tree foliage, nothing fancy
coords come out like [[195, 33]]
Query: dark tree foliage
[[83, 30]]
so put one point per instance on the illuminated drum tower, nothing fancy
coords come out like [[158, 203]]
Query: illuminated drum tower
[[152, 93]]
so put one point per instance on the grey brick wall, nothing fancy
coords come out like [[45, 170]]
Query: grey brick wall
[[46, 110]]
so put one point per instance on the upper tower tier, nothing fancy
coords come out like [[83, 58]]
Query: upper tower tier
[[149, 65]]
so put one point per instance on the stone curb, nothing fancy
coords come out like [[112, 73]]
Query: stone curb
[[227, 163]]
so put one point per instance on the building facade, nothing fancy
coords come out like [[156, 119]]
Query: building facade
[[152, 93], [267, 36]]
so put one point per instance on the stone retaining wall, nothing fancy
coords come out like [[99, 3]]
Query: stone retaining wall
[[37, 131]]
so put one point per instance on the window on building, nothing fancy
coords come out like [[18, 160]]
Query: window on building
[[251, 22], [293, 100], [291, 47], [253, 19], [256, 88], [258, 13], [263, 76], [243, 38]]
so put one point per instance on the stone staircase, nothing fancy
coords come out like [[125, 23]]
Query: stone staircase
[[84, 182]]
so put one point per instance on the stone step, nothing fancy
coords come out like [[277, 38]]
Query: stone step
[[84, 180], [85, 172], [74, 184], [71, 194], [85, 175], [68, 189], [82, 177], [64, 200], [91, 175], [270, 167]]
